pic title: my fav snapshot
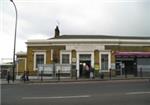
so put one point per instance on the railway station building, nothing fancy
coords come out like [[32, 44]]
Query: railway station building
[[102, 52]]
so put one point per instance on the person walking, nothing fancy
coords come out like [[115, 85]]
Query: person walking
[[92, 73], [23, 77], [27, 75], [87, 71]]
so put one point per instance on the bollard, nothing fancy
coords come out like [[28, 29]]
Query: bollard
[[58, 74], [125, 73], [110, 74], [41, 75], [76, 74], [141, 72]]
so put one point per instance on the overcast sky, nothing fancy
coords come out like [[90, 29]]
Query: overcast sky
[[38, 18]]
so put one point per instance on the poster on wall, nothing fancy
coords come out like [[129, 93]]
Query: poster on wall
[[113, 67], [96, 67]]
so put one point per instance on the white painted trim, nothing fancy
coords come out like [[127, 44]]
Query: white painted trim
[[88, 40], [84, 46], [52, 51], [127, 42], [25, 68], [78, 58], [65, 52], [91, 43], [109, 60], [36, 53]]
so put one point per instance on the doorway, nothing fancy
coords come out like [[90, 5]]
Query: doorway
[[84, 60], [83, 72], [129, 68]]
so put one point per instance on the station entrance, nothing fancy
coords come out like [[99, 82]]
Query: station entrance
[[84, 62]]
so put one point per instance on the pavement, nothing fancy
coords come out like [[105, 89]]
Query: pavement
[[106, 79]]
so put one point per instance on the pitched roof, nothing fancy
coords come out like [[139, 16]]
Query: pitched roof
[[99, 37]]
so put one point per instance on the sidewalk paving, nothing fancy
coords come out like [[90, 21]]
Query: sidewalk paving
[[113, 79]]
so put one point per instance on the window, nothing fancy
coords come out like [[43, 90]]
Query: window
[[65, 58], [39, 59], [104, 62]]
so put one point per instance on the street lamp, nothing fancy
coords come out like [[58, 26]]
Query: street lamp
[[14, 50]]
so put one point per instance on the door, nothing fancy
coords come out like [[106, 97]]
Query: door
[[84, 59]]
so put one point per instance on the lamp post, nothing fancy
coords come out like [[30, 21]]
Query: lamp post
[[14, 50]]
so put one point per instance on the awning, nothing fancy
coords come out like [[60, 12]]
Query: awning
[[132, 54]]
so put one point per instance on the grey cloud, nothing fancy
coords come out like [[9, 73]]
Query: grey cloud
[[92, 17]]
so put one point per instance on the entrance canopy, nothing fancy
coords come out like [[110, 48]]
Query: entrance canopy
[[132, 54]]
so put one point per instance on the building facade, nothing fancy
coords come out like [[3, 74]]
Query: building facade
[[103, 53], [5, 67]]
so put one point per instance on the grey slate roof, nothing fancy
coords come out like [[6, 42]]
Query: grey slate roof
[[100, 37]]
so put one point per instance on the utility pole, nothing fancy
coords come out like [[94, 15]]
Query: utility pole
[[14, 50]]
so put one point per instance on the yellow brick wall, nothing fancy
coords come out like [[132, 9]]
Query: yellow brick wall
[[113, 57], [146, 48], [128, 48], [30, 59], [96, 59], [47, 49], [21, 66]]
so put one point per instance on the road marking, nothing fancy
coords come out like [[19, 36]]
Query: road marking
[[57, 97], [137, 93]]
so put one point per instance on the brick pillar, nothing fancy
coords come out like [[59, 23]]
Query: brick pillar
[[96, 62]]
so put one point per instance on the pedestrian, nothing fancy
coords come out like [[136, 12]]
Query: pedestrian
[[87, 71], [24, 76], [8, 76], [27, 75], [125, 73], [92, 73]]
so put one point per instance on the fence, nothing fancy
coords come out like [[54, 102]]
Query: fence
[[53, 71], [49, 71]]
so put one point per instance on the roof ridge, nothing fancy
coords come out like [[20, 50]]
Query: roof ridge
[[100, 36]]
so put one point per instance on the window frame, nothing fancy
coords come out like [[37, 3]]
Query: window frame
[[109, 61], [104, 61], [35, 55], [69, 53]]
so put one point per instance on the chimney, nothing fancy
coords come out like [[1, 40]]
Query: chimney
[[56, 32]]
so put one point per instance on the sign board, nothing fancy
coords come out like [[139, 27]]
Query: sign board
[[74, 60], [113, 66], [96, 67]]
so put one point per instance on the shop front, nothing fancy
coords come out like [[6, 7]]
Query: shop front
[[133, 63]]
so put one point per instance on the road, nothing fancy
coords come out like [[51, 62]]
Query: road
[[82, 93]]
